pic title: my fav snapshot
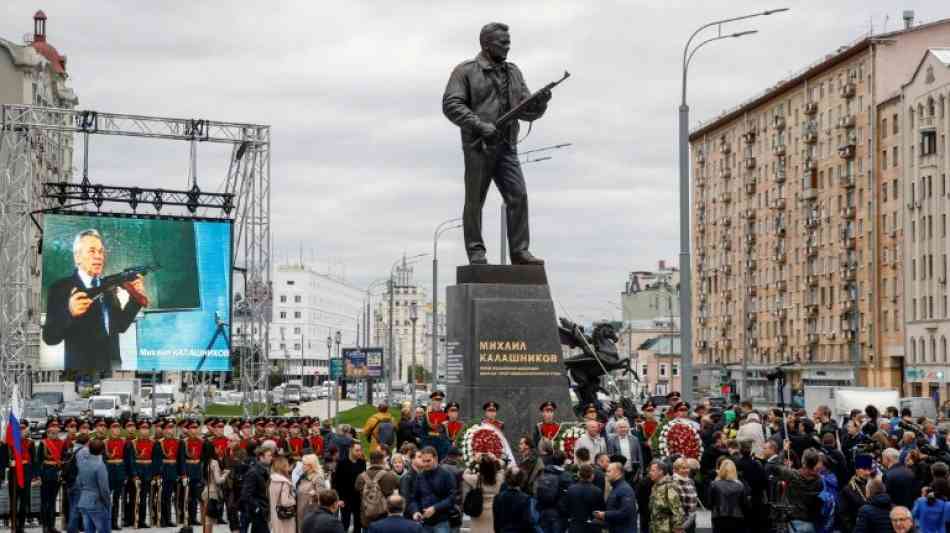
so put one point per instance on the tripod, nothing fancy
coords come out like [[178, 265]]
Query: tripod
[[220, 330]]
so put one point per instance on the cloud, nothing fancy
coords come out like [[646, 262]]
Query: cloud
[[364, 164]]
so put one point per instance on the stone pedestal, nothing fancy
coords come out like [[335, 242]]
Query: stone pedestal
[[503, 345]]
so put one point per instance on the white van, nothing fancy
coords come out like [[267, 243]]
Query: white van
[[106, 406]]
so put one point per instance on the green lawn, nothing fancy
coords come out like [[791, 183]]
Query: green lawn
[[217, 409], [358, 415]]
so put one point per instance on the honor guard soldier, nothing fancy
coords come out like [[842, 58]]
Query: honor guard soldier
[[316, 440], [71, 428], [259, 429], [218, 440], [547, 428], [452, 427], [171, 471], [296, 444], [148, 457], [19, 496], [129, 500], [432, 424], [270, 431], [119, 465], [246, 441], [195, 456], [102, 430], [282, 435], [51, 454], [491, 412], [85, 429]]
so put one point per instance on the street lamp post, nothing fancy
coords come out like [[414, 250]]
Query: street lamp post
[[413, 316], [392, 302], [686, 290], [336, 387], [439, 230], [329, 369]]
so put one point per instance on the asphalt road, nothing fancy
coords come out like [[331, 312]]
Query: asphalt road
[[319, 407]]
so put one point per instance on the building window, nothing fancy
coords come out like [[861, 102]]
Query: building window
[[296, 314], [297, 331], [298, 298], [676, 369], [913, 350], [283, 298], [894, 123], [283, 314], [663, 370], [917, 389], [884, 128], [928, 143], [644, 370], [290, 282]]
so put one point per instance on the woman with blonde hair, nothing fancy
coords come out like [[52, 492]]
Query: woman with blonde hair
[[727, 499], [311, 483], [397, 463], [282, 498]]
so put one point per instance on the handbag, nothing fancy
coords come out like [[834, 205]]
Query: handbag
[[215, 509], [474, 502], [286, 512]]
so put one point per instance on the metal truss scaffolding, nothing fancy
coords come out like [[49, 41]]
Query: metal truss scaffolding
[[22, 186]]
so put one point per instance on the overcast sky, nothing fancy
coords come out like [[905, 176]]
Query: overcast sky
[[364, 163]]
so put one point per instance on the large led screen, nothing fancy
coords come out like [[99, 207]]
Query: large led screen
[[134, 293]]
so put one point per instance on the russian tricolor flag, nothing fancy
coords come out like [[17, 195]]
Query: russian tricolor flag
[[15, 440]]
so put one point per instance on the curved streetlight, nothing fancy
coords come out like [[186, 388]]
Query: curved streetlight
[[444, 226], [392, 290], [686, 311]]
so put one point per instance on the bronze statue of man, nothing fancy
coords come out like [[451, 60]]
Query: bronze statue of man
[[480, 91]]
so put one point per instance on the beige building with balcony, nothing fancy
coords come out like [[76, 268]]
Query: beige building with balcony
[[788, 224], [920, 152]]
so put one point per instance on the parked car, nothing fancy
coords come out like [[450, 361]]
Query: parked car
[[75, 408]]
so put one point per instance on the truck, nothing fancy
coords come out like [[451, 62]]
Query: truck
[[129, 392], [920, 406], [106, 406], [842, 400], [54, 393]]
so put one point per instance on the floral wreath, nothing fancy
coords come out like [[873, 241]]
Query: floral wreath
[[679, 437], [566, 438], [484, 438]]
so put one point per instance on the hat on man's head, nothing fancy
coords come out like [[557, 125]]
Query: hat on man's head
[[548, 404], [864, 461], [490, 404], [453, 405], [437, 395]]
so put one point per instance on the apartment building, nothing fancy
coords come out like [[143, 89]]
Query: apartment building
[[918, 150], [788, 223]]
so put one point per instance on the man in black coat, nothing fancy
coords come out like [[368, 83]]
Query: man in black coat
[[324, 518], [853, 495], [395, 522], [902, 486], [621, 513], [752, 473], [255, 490], [90, 326], [478, 93], [581, 501]]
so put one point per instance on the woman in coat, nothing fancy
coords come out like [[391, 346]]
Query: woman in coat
[[311, 483], [344, 481], [214, 479], [489, 477], [727, 497], [281, 493]]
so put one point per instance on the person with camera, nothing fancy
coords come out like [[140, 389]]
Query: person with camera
[[804, 485]]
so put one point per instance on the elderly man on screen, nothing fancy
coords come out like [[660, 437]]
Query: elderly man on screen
[[90, 326]]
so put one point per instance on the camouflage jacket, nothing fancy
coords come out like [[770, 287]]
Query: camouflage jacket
[[666, 509]]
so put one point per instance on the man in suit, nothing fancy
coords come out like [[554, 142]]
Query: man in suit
[[395, 522], [90, 326], [625, 444]]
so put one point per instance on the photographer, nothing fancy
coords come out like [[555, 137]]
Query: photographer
[[803, 488]]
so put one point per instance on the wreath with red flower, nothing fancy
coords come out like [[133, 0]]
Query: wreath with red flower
[[483, 438], [679, 437], [566, 438]]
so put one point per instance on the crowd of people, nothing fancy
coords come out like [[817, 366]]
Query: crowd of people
[[757, 471]]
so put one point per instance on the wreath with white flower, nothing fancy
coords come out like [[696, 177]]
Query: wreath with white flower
[[566, 438], [679, 437], [485, 438]]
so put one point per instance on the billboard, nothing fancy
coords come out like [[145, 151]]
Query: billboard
[[135, 293], [360, 363]]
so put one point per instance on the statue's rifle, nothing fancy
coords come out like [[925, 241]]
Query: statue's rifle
[[489, 147]]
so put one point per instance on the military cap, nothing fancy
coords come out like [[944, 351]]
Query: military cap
[[144, 424], [52, 424], [453, 405], [490, 404], [115, 424], [437, 395], [548, 404]]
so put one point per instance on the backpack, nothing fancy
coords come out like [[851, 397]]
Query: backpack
[[70, 470], [825, 507], [372, 501], [386, 433], [547, 490]]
